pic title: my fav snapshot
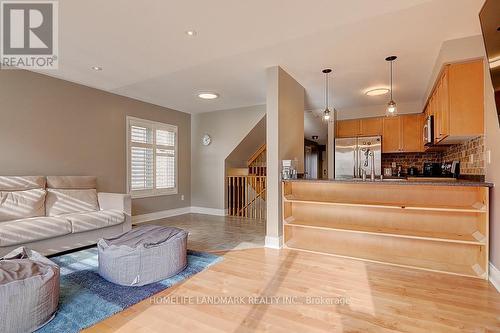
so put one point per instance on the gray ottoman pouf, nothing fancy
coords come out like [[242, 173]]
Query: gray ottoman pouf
[[143, 255], [29, 291]]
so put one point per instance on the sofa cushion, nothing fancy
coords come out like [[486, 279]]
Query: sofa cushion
[[21, 204], [60, 202], [32, 229], [20, 183], [95, 220], [72, 182]]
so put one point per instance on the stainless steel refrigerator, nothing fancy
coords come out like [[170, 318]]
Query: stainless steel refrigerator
[[353, 155]]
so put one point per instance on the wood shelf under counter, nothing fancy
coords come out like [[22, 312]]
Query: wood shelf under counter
[[475, 238], [475, 208], [441, 228]]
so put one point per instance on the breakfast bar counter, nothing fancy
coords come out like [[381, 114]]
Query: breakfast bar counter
[[438, 226], [401, 181]]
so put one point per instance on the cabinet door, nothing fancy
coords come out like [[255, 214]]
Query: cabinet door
[[437, 115], [391, 137], [371, 126], [348, 128], [412, 127], [444, 106], [466, 98]]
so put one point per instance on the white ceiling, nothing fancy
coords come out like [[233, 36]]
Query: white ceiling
[[146, 55]]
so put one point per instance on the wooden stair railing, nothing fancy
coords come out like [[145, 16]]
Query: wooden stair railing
[[246, 196], [257, 162]]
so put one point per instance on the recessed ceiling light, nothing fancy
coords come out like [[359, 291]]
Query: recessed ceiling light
[[191, 33], [97, 68], [208, 95], [377, 92]]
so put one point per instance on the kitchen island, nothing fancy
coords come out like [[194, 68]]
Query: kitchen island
[[436, 226]]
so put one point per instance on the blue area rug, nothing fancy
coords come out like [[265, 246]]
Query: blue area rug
[[86, 298]]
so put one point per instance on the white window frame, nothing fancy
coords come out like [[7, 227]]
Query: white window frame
[[154, 191]]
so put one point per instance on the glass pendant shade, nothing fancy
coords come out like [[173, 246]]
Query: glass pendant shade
[[392, 109], [326, 114]]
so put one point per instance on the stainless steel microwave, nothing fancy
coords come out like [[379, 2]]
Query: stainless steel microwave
[[429, 131]]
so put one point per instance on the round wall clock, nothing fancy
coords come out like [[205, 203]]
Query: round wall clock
[[206, 139]]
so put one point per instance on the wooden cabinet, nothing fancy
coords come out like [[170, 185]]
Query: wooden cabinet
[[403, 134], [457, 103], [443, 107], [348, 128], [399, 134], [439, 228], [359, 127], [391, 136], [371, 126], [412, 133]]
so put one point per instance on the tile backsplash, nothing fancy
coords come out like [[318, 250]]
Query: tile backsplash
[[407, 160], [460, 152], [470, 154]]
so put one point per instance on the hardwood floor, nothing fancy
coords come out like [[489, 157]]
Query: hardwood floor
[[381, 298], [215, 233]]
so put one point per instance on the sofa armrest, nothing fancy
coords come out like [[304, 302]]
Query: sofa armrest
[[118, 201]]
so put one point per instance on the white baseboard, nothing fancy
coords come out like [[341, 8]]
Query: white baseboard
[[208, 211], [160, 215], [274, 242], [177, 211], [495, 276]]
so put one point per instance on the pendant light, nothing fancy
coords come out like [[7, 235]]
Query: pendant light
[[392, 109], [326, 114]]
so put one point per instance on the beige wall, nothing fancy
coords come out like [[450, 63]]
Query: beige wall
[[248, 146], [492, 140], [53, 127], [471, 48], [284, 140], [227, 128]]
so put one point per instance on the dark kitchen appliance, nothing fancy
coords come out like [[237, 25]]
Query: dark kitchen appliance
[[412, 171], [432, 169], [450, 169], [429, 131], [446, 169]]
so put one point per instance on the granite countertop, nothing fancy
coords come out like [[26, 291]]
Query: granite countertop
[[399, 181]]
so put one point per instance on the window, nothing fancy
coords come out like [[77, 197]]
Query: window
[[151, 158]]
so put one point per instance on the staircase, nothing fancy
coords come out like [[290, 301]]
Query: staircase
[[246, 191]]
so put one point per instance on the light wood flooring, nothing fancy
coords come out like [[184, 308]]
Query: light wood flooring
[[216, 233], [381, 298]]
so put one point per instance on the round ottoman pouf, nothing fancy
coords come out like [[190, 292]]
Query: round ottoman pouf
[[143, 255], [29, 291]]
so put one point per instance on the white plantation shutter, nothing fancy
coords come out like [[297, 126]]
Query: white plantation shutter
[[152, 156]]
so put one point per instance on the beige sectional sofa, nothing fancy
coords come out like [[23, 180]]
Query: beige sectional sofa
[[58, 213]]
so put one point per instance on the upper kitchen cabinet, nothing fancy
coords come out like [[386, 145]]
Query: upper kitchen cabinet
[[403, 134], [348, 128], [391, 137], [359, 127], [457, 103], [371, 126], [412, 133]]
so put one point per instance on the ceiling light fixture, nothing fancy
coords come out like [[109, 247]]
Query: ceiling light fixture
[[191, 33], [392, 109], [327, 114], [376, 92], [97, 68], [208, 95]]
